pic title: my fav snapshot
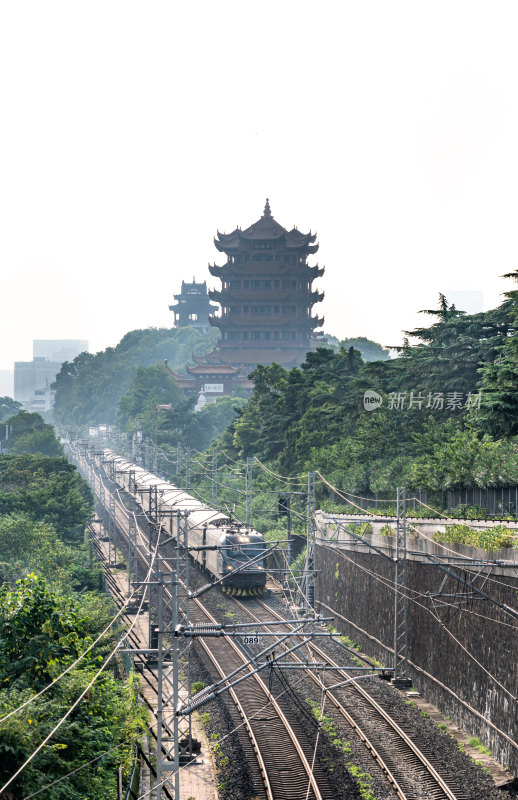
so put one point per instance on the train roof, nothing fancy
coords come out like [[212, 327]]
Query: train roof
[[171, 496]]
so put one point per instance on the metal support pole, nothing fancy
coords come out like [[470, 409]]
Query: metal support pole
[[138, 448], [153, 503], [249, 492], [132, 549], [102, 500], [167, 749], [308, 579], [132, 482], [187, 467], [182, 566], [400, 597], [155, 458], [174, 735], [111, 529], [146, 454], [215, 477]]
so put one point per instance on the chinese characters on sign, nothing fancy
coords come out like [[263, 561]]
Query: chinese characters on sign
[[419, 400], [213, 387]]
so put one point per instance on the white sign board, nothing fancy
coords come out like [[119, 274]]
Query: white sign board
[[212, 387]]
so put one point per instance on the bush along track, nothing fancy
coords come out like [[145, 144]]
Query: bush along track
[[50, 613]]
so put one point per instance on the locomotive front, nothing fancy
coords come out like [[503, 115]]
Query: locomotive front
[[243, 563]]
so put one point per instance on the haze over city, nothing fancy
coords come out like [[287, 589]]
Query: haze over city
[[131, 134]]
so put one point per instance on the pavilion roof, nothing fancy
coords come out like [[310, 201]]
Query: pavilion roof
[[266, 228], [213, 369]]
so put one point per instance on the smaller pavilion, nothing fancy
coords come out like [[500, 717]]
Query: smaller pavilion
[[193, 307]]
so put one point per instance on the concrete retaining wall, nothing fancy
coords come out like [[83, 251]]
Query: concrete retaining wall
[[447, 636]]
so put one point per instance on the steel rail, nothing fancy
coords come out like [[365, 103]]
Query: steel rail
[[287, 727], [124, 512], [447, 792]]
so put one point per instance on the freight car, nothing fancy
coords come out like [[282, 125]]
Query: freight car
[[237, 561]]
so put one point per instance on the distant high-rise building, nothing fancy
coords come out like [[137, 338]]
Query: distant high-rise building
[[58, 349], [468, 300], [30, 376], [6, 383], [193, 307], [32, 379]]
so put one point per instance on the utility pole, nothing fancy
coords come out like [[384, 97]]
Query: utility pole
[[174, 736], [187, 467], [401, 678], [111, 528], [308, 578], [132, 549], [249, 491], [215, 477], [284, 510], [102, 499]]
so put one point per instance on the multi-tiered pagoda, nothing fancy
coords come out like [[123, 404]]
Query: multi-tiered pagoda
[[193, 307], [266, 294]]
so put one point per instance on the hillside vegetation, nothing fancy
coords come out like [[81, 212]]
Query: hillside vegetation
[[89, 388], [448, 415], [51, 612]]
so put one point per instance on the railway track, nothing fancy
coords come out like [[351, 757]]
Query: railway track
[[413, 772], [290, 771], [281, 748]]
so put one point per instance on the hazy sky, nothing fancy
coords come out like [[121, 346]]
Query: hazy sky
[[131, 132]]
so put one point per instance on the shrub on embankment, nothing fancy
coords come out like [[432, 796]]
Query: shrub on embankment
[[49, 616]]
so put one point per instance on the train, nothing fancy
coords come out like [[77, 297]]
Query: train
[[239, 561]]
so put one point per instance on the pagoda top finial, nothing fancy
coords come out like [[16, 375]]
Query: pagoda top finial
[[267, 212]]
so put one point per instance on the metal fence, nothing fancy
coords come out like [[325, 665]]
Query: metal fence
[[497, 501]]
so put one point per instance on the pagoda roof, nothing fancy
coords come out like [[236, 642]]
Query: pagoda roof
[[268, 268], [266, 228], [214, 369], [270, 355], [183, 381], [212, 357]]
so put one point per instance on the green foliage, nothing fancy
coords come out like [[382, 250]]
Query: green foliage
[[27, 546], [107, 718], [40, 633], [369, 350], [475, 742], [183, 426], [327, 724], [88, 389], [9, 407], [28, 433], [387, 530], [312, 418], [494, 538], [44, 627], [48, 490], [150, 387]]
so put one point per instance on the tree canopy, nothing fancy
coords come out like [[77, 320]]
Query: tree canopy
[[8, 407], [28, 433], [89, 389], [446, 415]]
